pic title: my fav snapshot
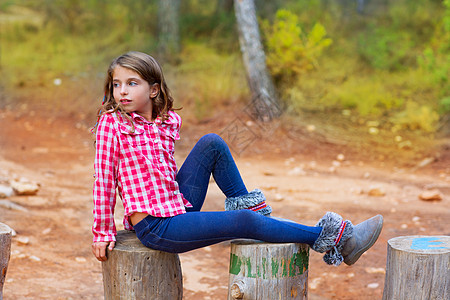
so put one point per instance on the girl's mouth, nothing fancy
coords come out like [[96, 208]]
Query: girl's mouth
[[125, 101]]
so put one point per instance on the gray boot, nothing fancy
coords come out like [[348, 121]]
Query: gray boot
[[364, 236], [255, 200], [344, 242], [335, 233]]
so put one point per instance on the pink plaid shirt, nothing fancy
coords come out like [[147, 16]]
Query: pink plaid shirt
[[140, 165]]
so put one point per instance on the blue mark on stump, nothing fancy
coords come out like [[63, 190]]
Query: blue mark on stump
[[426, 243]]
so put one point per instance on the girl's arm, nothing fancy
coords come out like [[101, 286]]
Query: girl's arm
[[106, 158]]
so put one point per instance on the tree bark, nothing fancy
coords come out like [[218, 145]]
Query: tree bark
[[418, 268], [268, 271], [134, 272], [168, 30], [5, 252], [265, 101]]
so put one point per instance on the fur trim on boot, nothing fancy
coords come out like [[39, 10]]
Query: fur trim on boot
[[335, 233], [255, 200]]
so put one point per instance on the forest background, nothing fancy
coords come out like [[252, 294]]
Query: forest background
[[376, 67]]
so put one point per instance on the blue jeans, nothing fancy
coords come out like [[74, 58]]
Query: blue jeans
[[196, 229]]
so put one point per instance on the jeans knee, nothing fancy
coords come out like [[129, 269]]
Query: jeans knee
[[212, 140]]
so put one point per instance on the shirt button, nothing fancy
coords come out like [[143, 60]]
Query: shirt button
[[176, 192], [161, 159]]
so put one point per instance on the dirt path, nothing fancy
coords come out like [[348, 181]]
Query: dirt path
[[57, 262]]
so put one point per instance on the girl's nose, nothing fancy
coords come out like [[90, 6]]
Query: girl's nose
[[123, 90]]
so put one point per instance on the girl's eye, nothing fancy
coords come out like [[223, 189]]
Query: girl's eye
[[132, 83], [115, 85]]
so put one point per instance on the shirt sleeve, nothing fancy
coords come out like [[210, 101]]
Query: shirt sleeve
[[105, 165]]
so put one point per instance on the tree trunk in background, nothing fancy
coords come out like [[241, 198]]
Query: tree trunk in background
[[264, 97], [168, 30]]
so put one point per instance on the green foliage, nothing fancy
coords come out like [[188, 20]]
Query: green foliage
[[437, 65], [367, 97], [444, 105], [290, 51], [384, 48], [417, 117]]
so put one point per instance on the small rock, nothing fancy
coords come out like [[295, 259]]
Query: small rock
[[416, 219], [431, 195], [376, 191], [375, 270], [340, 157], [425, 162], [314, 283], [35, 258], [6, 191], [311, 128], [80, 259], [374, 130], [23, 240], [336, 163], [404, 226], [297, 171], [278, 197], [25, 188], [46, 231], [373, 285]]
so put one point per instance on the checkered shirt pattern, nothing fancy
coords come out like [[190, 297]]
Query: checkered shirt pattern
[[138, 165]]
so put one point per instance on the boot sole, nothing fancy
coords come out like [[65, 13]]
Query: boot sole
[[352, 258]]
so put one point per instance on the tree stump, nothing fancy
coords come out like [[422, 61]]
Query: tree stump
[[268, 271], [5, 252], [418, 268], [134, 271]]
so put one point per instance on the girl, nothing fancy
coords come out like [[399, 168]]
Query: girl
[[135, 139]]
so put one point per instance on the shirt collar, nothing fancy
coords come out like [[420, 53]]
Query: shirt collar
[[141, 120], [158, 121]]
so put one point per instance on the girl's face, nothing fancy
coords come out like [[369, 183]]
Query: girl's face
[[133, 93]]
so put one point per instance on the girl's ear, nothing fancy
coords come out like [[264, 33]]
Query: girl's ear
[[154, 90]]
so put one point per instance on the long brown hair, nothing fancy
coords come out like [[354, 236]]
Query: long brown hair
[[149, 69]]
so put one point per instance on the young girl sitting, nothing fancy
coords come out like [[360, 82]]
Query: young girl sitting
[[135, 138]]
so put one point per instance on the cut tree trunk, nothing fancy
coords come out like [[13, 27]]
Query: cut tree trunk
[[268, 271], [134, 271], [265, 101], [5, 252], [418, 268]]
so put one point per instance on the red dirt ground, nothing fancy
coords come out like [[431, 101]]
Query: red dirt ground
[[298, 172]]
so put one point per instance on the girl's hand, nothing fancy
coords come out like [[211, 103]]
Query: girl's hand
[[99, 249]]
